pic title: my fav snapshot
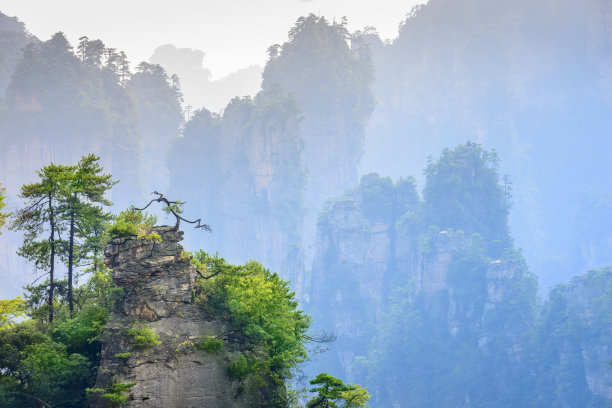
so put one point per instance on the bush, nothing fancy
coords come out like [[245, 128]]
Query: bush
[[123, 356], [261, 306], [150, 237], [239, 369], [143, 337], [210, 345], [132, 222], [117, 394]]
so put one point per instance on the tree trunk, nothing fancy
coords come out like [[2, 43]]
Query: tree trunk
[[52, 261], [70, 262]]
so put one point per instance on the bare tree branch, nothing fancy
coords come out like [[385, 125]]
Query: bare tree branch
[[322, 338], [209, 276], [170, 207]]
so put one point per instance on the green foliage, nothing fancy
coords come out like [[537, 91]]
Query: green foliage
[[56, 376], [132, 222], [210, 345], [3, 216], [11, 309], [238, 369], [116, 394], [143, 337], [55, 362], [378, 196], [150, 237], [332, 392], [81, 333], [260, 305], [68, 200], [463, 193], [123, 356]]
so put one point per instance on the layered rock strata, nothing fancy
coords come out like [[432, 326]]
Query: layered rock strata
[[158, 283]]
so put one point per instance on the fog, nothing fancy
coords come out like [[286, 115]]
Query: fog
[[433, 180]]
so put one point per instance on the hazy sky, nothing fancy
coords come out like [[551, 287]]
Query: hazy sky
[[233, 33]]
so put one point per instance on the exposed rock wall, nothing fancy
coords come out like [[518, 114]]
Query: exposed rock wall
[[576, 320], [374, 265], [250, 189], [425, 317], [158, 282]]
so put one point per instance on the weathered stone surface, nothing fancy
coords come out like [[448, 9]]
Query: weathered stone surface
[[158, 283]]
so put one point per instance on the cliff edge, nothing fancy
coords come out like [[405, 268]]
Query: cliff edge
[[159, 349]]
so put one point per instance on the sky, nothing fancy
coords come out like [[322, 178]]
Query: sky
[[234, 34]]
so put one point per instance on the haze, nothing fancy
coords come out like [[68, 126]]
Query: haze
[[234, 34], [441, 201]]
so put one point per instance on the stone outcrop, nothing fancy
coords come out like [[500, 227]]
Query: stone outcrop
[[158, 284], [251, 188], [372, 258], [423, 314], [578, 315]]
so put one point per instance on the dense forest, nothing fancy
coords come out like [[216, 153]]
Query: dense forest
[[429, 215]]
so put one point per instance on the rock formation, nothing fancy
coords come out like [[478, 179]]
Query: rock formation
[[424, 317], [244, 171], [158, 284]]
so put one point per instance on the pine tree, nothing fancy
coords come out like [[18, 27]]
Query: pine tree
[[82, 48], [112, 58], [124, 68], [82, 198], [41, 216]]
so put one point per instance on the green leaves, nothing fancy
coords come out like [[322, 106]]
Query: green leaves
[[11, 309], [261, 306], [131, 222], [332, 392], [463, 192], [143, 337], [3, 216], [65, 199]]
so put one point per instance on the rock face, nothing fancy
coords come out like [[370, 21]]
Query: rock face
[[576, 344], [158, 283], [424, 317], [251, 188]]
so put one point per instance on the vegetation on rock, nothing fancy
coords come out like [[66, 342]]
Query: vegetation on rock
[[143, 337]]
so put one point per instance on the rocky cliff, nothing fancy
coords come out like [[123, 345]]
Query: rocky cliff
[[426, 317], [153, 340], [244, 171]]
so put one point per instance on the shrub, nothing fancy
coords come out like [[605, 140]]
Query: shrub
[[124, 356], [239, 369], [132, 222], [117, 394], [150, 237], [210, 345], [261, 306], [143, 337]]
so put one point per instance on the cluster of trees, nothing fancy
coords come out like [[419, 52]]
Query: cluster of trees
[[67, 102], [457, 72], [437, 305], [261, 306], [331, 73], [51, 358], [13, 37], [63, 219]]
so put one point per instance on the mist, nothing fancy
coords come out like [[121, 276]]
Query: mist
[[436, 193]]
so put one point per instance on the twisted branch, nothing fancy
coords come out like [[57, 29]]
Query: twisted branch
[[169, 207]]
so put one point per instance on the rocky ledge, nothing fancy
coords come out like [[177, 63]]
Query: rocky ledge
[[149, 352]]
